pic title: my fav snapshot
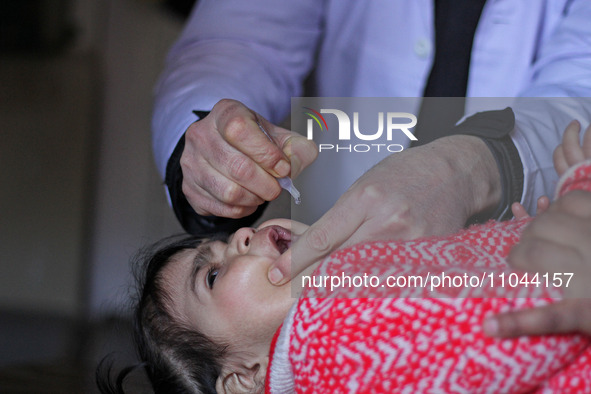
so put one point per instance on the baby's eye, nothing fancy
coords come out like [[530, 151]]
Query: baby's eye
[[211, 276]]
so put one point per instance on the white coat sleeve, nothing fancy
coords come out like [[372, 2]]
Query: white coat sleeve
[[559, 91], [256, 51]]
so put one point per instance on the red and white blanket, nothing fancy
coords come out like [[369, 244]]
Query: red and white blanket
[[374, 338]]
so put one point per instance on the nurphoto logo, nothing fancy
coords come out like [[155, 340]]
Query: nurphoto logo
[[395, 122]]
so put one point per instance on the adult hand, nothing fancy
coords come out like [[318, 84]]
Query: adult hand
[[556, 241], [426, 190], [230, 166]]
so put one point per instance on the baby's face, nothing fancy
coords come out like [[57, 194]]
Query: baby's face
[[227, 295]]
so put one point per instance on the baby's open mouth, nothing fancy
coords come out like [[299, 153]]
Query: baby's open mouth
[[281, 238]]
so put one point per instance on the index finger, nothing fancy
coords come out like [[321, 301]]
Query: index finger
[[330, 231]]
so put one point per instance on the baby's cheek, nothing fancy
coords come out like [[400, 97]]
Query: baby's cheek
[[238, 292], [246, 287]]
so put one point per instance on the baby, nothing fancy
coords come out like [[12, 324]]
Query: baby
[[208, 320]]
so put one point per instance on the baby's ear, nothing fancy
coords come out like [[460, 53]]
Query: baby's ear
[[242, 378]]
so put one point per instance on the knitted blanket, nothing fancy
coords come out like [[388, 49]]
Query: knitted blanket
[[407, 317]]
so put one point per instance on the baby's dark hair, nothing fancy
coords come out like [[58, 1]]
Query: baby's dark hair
[[176, 358]]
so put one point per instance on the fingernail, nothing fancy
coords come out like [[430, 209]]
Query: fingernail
[[282, 168], [275, 275], [491, 327]]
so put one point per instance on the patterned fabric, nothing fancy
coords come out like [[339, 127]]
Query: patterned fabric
[[354, 339]]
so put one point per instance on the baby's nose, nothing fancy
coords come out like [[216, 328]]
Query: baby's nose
[[242, 238]]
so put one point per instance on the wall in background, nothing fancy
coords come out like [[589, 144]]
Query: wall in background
[[46, 113], [79, 191]]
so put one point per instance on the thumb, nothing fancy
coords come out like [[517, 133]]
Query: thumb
[[280, 271]]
